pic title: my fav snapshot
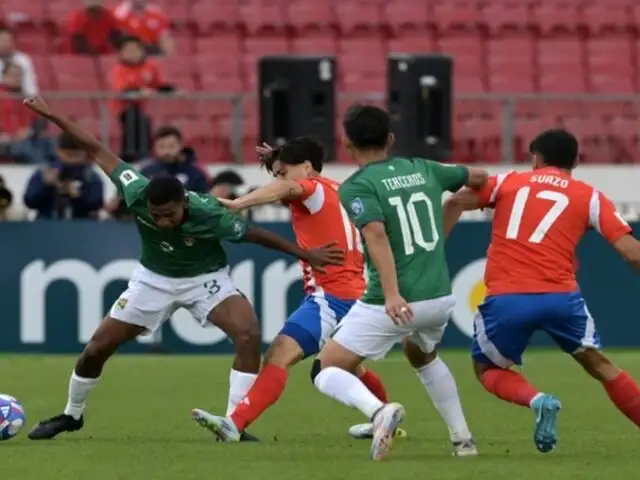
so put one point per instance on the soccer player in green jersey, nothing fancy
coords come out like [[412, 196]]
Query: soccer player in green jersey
[[396, 203], [183, 264]]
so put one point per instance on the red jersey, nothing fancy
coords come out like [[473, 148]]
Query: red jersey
[[539, 218], [135, 77], [318, 219], [148, 25], [96, 29]]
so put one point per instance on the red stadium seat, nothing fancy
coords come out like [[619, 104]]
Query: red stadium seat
[[454, 15], [358, 15], [602, 16], [75, 107], [561, 62], [625, 130], [75, 73], [218, 45], [211, 17], [405, 16], [314, 44], [467, 53], [507, 15], [255, 48], [179, 12], [221, 75], [34, 41], [418, 43], [525, 130], [260, 16], [557, 16], [511, 62], [178, 70], [364, 46], [610, 63], [18, 12], [183, 43], [362, 73], [42, 66], [304, 15]]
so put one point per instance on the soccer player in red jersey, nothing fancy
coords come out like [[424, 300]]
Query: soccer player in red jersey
[[539, 218], [317, 218]]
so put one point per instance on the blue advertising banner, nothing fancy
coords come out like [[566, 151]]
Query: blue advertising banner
[[59, 278]]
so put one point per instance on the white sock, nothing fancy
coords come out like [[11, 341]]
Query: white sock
[[239, 385], [348, 389], [441, 387], [79, 389]]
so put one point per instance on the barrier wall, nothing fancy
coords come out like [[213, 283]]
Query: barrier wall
[[59, 278]]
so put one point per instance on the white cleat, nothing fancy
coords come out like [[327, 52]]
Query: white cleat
[[223, 428], [465, 448], [364, 431], [385, 423]]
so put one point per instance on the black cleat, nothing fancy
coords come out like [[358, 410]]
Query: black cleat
[[247, 437], [49, 429]]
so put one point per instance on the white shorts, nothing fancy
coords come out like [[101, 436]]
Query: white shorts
[[368, 331], [150, 299]]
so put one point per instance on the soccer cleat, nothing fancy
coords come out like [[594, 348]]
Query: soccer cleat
[[465, 448], [385, 423], [364, 431], [48, 429], [247, 437], [223, 428], [546, 408]]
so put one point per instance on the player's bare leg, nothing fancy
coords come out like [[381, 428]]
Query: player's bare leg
[[331, 375], [109, 336], [441, 387], [619, 385], [235, 317], [513, 387]]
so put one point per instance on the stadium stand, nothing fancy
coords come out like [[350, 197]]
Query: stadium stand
[[499, 46]]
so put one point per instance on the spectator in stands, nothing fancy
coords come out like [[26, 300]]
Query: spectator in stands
[[6, 198], [8, 54], [225, 184], [139, 78], [21, 133], [94, 29], [148, 22], [68, 189], [170, 157]]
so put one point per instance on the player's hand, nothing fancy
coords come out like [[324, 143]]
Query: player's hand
[[234, 205], [399, 310], [50, 176], [38, 105], [264, 150], [328, 254]]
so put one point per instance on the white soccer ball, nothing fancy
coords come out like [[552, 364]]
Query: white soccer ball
[[12, 417]]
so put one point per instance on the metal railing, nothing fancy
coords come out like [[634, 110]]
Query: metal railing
[[488, 128]]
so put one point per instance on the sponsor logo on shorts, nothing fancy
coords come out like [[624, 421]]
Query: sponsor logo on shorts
[[121, 303], [357, 207]]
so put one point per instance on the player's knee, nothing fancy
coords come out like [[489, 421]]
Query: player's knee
[[284, 352], [247, 339], [93, 358], [596, 364], [316, 368], [416, 357], [479, 369]]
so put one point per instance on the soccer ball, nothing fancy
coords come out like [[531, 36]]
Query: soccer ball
[[11, 417]]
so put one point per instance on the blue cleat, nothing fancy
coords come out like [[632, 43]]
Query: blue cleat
[[546, 408]]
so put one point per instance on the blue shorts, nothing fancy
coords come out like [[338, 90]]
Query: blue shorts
[[504, 325], [315, 319]]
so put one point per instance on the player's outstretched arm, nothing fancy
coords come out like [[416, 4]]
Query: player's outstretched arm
[[461, 201], [280, 190], [317, 258], [477, 177], [105, 159], [629, 248]]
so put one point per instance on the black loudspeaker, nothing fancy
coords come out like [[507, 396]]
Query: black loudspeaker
[[419, 100], [297, 97]]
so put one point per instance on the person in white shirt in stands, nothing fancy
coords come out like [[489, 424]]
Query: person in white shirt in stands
[[9, 54]]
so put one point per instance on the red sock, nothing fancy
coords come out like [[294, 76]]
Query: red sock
[[509, 386], [625, 394], [375, 386], [265, 392]]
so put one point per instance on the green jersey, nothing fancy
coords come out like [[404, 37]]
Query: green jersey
[[406, 195], [191, 250]]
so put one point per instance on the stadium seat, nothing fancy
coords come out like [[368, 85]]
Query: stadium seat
[[525, 129], [561, 62], [19, 12], [212, 17], [214, 46], [407, 16], [314, 44], [602, 16], [625, 130], [307, 16], [416, 44], [511, 61], [467, 53], [221, 75], [454, 15], [373, 45], [362, 73], [610, 63], [179, 12], [178, 70], [255, 48], [75, 73], [513, 15], [75, 107], [260, 17], [42, 66], [34, 41], [358, 16], [183, 43], [556, 16]]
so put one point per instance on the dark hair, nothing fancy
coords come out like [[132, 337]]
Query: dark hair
[[164, 189], [297, 151], [367, 127], [66, 142], [168, 131], [124, 41], [227, 176], [557, 147]]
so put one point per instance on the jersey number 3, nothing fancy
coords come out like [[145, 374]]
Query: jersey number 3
[[559, 203], [410, 225]]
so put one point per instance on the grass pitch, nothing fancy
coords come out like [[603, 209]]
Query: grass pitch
[[138, 426]]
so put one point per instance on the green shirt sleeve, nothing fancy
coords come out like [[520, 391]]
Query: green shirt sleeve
[[451, 177], [361, 203], [130, 183], [223, 224]]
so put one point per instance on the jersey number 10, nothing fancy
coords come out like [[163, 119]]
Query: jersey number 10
[[560, 203], [410, 225]]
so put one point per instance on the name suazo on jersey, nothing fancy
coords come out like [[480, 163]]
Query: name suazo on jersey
[[318, 219], [539, 219]]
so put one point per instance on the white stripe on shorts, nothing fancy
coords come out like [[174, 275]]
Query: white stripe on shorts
[[328, 317], [486, 346], [589, 338]]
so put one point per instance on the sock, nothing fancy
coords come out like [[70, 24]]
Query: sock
[[509, 386], [441, 387], [79, 389], [265, 392], [375, 385], [239, 385], [348, 389], [625, 394]]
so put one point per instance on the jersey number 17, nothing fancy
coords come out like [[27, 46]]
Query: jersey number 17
[[559, 203]]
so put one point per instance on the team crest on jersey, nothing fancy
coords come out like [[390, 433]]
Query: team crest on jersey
[[357, 207], [189, 241], [121, 303]]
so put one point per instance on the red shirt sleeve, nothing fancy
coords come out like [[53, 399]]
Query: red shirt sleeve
[[308, 188], [485, 194], [76, 23], [606, 219]]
